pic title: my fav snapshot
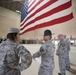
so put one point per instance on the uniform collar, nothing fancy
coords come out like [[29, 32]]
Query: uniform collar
[[48, 41]]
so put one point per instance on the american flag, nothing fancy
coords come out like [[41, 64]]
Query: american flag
[[42, 13]]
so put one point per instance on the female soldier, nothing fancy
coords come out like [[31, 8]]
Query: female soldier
[[11, 52]]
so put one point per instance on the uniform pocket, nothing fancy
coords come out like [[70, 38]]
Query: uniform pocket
[[2, 71]]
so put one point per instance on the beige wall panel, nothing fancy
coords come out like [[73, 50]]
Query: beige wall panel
[[29, 35], [8, 19], [9, 14]]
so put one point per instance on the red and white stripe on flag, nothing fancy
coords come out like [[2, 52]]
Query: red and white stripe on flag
[[43, 13]]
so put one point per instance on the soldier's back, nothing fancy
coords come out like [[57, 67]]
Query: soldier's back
[[48, 57], [8, 58]]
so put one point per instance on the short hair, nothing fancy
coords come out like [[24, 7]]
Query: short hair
[[47, 32], [12, 36]]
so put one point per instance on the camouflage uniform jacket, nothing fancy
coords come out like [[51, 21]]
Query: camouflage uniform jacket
[[10, 54], [62, 49], [67, 44], [47, 58]]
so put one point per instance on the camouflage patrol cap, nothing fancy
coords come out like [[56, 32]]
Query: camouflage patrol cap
[[47, 32], [59, 35], [13, 30]]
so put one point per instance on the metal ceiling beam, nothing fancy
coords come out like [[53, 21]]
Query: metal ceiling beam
[[4, 1], [12, 4]]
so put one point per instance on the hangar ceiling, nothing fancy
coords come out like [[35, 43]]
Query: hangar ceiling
[[12, 4]]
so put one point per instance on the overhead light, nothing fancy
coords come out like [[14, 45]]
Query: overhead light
[[17, 0], [17, 11]]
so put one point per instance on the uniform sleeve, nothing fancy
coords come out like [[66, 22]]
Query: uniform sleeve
[[53, 50], [57, 52], [68, 45], [61, 47], [26, 58], [40, 52]]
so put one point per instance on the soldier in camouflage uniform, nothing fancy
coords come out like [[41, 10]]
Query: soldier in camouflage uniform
[[67, 52], [47, 55], [61, 52], [11, 52]]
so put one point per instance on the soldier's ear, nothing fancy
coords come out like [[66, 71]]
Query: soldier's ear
[[50, 36]]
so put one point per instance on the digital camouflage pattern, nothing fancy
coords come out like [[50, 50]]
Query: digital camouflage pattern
[[67, 60], [10, 54], [61, 52], [47, 58]]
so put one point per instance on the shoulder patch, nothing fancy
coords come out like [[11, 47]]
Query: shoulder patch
[[63, 44]]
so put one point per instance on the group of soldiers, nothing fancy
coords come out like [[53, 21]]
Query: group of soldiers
[[11, 52], [47, 54]]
